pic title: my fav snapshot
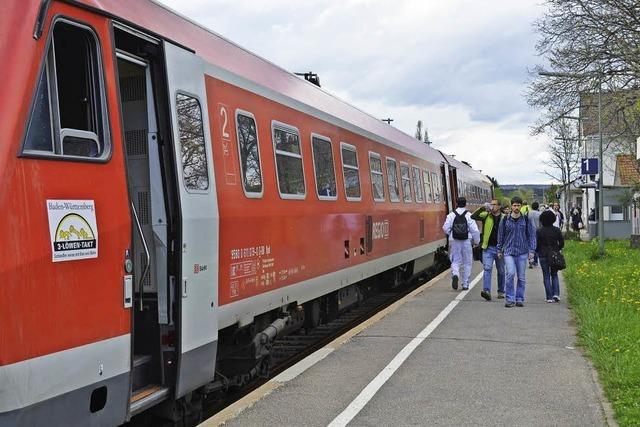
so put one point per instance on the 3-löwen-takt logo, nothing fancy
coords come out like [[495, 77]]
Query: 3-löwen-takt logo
[[73, 233]]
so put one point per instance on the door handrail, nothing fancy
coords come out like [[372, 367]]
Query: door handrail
[[146, 250]]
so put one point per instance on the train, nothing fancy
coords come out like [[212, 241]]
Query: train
[[172, 202]]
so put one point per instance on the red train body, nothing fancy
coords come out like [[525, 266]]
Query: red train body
[[167, 195]]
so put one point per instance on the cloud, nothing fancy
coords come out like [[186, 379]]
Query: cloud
[[460, 65]]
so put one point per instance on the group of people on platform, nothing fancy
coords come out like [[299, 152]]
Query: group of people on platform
[[524, 234]]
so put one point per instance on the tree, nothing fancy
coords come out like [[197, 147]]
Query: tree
[[426, 136], [593, 42], [550, 194], [418, 134], [563, 164], [494, 181]]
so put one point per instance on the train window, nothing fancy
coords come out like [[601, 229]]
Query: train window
[[392, 180], [436, 187], [249, 154], [323, 167], [350, 172], [192, 144], [406, 182], [417, 184], [68, 116], [377, 183], [428, 192], [289, 168]]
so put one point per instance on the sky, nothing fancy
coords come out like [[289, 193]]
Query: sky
[[460, 66]]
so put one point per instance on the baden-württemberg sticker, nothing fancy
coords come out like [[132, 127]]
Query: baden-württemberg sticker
[[73, 229]]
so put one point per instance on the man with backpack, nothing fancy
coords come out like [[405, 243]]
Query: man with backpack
[[462, 230], [491, 217], [517, 244]]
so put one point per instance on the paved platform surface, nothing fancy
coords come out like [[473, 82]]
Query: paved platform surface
[[484, 364]]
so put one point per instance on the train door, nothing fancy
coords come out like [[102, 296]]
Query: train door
[[446, 186], [198, 300], [151, 292]]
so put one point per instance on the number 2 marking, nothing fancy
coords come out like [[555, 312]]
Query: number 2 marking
[[223, 113]]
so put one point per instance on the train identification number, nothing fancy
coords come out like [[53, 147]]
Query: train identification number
[[380, 230]]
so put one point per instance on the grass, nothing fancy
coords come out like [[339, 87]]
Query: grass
[[604, 294]]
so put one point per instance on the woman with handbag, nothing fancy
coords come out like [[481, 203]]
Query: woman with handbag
[[550, 242]]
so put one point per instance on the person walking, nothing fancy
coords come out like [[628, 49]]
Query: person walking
[[576, 218], [534, 215], [490, 215], [516, 243], [559, 216], [462, 231], [549, 238]]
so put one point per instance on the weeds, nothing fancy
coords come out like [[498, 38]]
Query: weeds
[[604, 293]]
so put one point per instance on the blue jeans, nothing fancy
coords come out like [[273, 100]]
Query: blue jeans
[[490, 255], [550, 278], [515, 264]]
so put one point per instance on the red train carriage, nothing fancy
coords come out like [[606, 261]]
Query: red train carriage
[[168, 196]]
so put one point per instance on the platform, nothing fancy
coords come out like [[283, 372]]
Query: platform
[[440, 357]]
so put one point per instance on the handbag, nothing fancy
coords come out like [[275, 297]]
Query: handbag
[[556, 260], [477, 253]]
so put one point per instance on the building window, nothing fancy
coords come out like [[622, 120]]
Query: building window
[[69, 115], [392, 180], [417, 184], [323, 167], [406, 182], [377, 183], [436, 187], [289, 169], [427, 187], [248, 148], [350, 172], [192, 144]]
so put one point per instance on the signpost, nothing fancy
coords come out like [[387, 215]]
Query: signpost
[[589, 166]]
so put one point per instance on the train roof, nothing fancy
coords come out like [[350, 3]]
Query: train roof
[[217, 50], [469, 172]]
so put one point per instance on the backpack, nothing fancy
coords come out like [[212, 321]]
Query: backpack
[[460, 228]]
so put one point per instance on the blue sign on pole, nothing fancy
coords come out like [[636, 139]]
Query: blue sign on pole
[[589, 166]]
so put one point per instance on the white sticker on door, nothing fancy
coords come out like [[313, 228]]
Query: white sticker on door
[[73, 229]]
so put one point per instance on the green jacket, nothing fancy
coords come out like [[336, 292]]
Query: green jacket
[[481, 214]]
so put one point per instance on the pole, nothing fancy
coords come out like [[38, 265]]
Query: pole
[[600, 183]]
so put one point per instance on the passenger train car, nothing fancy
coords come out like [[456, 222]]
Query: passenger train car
[[171, 202]]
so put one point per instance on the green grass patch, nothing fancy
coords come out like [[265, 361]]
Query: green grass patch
[[604, 294]]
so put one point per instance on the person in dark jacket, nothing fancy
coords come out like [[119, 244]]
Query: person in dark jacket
[[549, 238]]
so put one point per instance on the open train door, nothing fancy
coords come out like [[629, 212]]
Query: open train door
[[197, 323]]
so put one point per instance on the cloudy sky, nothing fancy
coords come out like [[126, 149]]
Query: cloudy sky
[[460, 66]]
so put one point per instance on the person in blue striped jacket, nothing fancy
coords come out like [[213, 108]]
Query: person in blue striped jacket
[[517, 244]]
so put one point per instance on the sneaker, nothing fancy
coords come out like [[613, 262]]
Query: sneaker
[[454, 283], [556, 298], [500, 295], [550, 300], [530, 265], [465, 287], [519, 304], [509, 304], [486, 295]]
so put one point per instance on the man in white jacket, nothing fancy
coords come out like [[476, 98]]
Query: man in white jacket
[[462, 231]]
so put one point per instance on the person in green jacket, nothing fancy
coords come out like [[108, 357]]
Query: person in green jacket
[[490, 215]]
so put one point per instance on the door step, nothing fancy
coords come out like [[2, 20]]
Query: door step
[[147, 397], [142, 370]]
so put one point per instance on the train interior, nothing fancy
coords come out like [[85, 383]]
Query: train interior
[[153, 305]]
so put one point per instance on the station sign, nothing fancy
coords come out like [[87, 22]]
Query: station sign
[[589, 166]]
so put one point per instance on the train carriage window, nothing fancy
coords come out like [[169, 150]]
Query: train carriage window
[[392, 180], [192, 143], [249, 154], [68, 116], [435, 183], [406, 182], [323, 167], [289, 168], [350, 171], [417, 184], [427, 187], [377, 182]]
